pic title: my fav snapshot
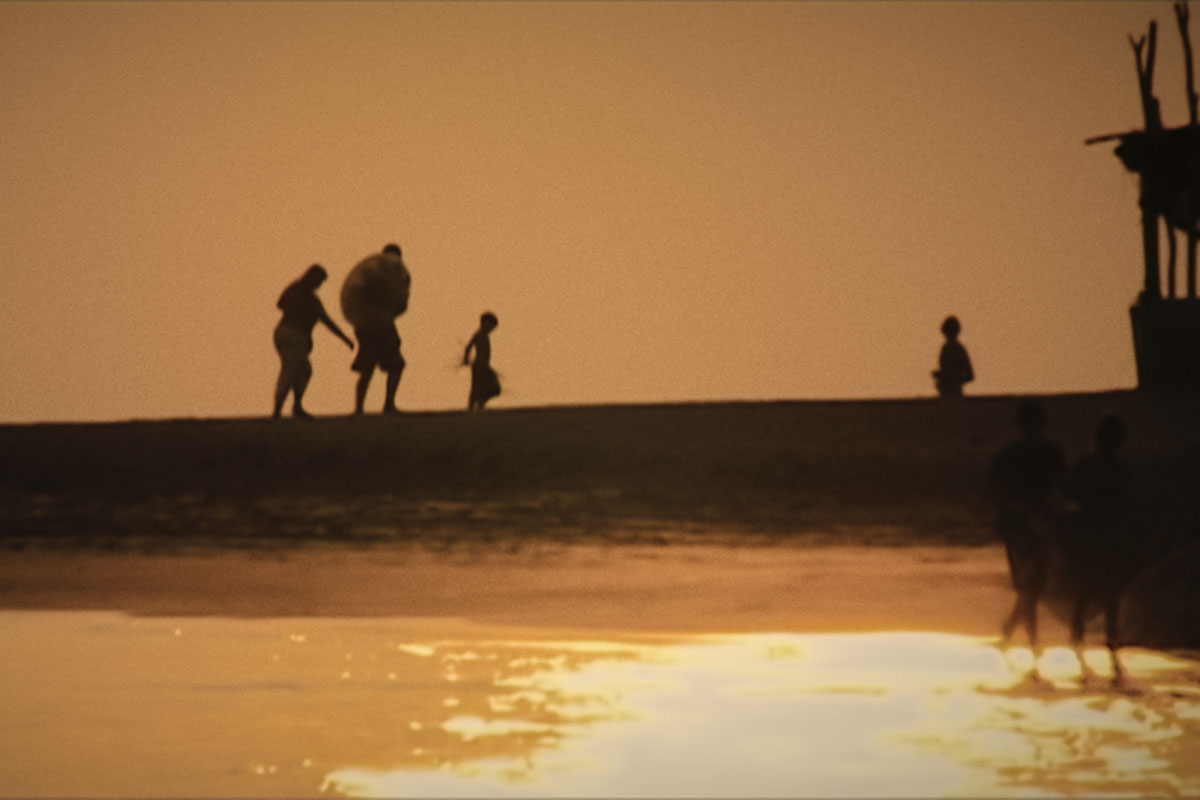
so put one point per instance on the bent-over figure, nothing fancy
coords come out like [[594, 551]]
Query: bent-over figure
[[373, 295], [302, 310]]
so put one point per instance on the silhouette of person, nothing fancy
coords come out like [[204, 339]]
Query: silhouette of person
[[302, 310], [954, 365], [1096, 536], [378, 339], [485, 384], [1027, 479]]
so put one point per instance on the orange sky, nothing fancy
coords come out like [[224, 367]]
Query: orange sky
[[661, 201]]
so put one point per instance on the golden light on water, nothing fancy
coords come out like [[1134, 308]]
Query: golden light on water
[[102, 704]]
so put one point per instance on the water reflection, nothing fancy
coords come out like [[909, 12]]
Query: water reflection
[[102, 704], [824, 715]]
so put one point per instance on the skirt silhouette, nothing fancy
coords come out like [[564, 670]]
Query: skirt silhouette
[[485, 383]]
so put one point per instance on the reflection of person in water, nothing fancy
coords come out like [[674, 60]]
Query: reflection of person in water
[[1027, 479], [485, 384], [954, 365], [1096, 535], [302, 310]]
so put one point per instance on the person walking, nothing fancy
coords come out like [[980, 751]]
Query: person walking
[[373, 295], [485, 384], [302, 310], [1097, 537], [1027, 479]]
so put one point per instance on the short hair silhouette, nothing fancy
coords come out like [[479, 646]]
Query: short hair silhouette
[[485, 383], [315, 275], [954, 365]]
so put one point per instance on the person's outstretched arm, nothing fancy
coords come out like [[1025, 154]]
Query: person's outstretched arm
[[467, 353], [333, 326]]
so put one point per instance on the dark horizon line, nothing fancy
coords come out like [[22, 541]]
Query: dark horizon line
[[598, 406]]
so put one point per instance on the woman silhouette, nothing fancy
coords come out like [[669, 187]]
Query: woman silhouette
[[302, 310]]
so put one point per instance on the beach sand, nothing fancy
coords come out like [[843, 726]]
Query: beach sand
[[645, 588]]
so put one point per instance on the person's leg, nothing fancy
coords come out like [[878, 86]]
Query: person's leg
[[360, 390], [1014, 570], [1017, 617], [1112, 605], [1079, 625], [285, 346], [303, 375], [1079, 617], [1031, 621], [393, 383], [395, 369], [282, 385]]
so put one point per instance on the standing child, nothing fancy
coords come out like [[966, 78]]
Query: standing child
[[485, 384], [954, 365]]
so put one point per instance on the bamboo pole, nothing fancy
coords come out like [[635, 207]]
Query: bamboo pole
[[1181, 17], [1143, 53]]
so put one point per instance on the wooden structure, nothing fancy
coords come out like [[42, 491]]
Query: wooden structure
[[1166, 327]]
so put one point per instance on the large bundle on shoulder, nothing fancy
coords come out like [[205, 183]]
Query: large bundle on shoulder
[[376, 291]]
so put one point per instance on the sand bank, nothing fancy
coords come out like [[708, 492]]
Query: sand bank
[[894, 472], [738, 516]]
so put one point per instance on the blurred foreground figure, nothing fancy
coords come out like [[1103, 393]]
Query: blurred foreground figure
[[485, 384], [373, 295], [1027, 479], [1096, 537], [954, 365], [302, 310]]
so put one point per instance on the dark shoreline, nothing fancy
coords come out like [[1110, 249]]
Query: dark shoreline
[[875, 472]]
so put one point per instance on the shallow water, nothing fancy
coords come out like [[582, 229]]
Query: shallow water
[[105, 704]]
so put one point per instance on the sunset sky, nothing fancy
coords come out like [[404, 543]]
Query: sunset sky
[[673, 201]]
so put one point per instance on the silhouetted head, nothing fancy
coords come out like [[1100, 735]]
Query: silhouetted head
[[1031, 417], [1110, 433], [314, 276], [392, 249], [951, 327], [488, 321]]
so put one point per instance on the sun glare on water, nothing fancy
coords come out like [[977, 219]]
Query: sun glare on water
[[821, 715], [104, 704]]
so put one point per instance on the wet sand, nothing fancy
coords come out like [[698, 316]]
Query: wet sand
[[677, 588]]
